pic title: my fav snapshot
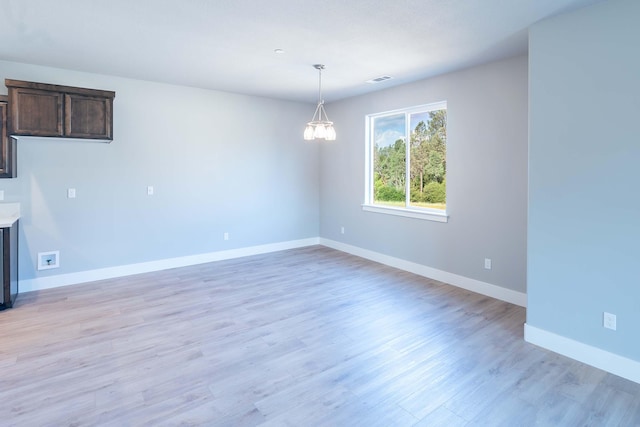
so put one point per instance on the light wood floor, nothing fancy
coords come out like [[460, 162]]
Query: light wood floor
[[304, 337]]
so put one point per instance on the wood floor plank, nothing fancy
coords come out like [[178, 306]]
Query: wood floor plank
[[304, 337]]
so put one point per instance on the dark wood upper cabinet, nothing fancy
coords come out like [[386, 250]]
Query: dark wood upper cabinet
[[40, 109], [7, 144]]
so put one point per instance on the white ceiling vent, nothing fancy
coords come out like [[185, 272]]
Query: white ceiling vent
[[379, 79]]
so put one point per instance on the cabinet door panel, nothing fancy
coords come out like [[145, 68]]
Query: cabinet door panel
[[4, 155], [35, 112], [7, 147], [87, 117]]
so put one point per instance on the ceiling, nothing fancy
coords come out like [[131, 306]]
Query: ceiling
[[229, 44]]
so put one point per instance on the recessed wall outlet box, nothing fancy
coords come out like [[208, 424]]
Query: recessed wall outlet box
[[487, 263], [150, 190], [609, 321], [226, 236], [47, 260], [71, 193]]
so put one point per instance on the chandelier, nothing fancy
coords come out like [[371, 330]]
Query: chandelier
[[320, 127]]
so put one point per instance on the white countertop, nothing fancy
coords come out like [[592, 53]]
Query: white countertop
[[9, 214]]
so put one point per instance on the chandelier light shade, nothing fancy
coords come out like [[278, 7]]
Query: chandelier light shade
[[320, 127]]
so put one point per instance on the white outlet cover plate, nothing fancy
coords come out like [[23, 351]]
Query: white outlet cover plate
[[609, 321]]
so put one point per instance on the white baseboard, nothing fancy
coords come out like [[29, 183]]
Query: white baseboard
[[47, 282], [473, 285], [601, 359], [498, 292]]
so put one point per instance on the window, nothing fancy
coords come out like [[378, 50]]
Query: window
[[408, 179]]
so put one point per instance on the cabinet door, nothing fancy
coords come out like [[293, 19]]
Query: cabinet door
[[7, 147], [88, 117], [35, 112], [8, 265]]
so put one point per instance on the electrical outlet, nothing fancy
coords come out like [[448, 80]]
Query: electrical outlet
[[150, 190], [341, 230], [487, 263], [71, 193], [1, 194], [226, 236], [48, 260], [609, 321]]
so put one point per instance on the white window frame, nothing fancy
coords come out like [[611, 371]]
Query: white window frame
[[429, 214]]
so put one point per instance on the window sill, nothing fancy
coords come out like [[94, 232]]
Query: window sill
[[409, 213]]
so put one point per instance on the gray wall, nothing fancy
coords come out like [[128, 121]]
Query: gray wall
[[584, 209], [486, 176], [219, 163]]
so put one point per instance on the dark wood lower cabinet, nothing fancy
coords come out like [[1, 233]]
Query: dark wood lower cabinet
[[9, 265]]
